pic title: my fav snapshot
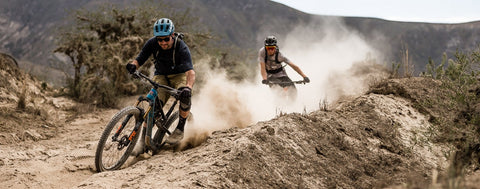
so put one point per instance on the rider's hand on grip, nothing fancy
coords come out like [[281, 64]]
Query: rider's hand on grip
[[131, 68], [264, 81], [306, 80]]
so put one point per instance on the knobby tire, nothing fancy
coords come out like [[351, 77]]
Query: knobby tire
[[104, 159]]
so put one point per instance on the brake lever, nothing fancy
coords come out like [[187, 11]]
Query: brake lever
[[135, 75], [176, 95]]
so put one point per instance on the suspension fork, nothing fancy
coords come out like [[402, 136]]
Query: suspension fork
[[121, 126], [134, 132], [126, 141], [125, 121]]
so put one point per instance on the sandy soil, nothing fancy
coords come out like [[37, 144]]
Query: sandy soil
[[369, 141], [340, 148]]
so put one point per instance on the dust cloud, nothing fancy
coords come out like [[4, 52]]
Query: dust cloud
[[223, 104], [325, 51], [330, 55]]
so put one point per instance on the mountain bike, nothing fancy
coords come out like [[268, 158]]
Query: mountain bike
[[286, 89], [123, 131]]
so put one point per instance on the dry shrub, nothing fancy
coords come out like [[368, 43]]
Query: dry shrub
[[97, 91]]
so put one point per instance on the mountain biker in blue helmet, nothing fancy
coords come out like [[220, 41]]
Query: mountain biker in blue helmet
[[173, 67], [271, 68]]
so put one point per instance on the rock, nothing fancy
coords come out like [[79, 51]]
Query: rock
[[34, 135]]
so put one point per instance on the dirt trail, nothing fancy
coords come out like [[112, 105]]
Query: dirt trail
[[58, 162], [322, 149], [368, 141]]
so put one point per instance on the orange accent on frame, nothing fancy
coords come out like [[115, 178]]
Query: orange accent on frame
[[119, 127], [132, 135]]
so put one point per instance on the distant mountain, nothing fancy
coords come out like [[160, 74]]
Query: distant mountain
[[423, 40], [28, 28]]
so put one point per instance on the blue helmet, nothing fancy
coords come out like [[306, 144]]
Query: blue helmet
[[163, 27]]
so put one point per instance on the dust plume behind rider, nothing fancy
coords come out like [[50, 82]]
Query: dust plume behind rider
[[173, 67], [271, 67]]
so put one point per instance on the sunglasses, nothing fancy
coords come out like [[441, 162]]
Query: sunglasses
[[166, 39], [270, 47]]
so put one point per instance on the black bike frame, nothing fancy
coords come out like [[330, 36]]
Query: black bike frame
[[149, 114]]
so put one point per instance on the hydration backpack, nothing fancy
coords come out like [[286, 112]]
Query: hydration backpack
[[176, 36]]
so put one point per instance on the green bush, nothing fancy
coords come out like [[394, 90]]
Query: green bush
[[458, 109]]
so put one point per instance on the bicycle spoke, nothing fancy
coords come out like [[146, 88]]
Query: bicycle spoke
[[118, 140]]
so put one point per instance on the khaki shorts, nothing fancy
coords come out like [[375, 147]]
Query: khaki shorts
[[175, 81]]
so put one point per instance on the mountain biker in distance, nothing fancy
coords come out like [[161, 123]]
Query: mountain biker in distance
[[173, 67], [271, 67]]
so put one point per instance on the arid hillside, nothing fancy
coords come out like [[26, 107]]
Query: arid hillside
[[242, 24], [376, 140]]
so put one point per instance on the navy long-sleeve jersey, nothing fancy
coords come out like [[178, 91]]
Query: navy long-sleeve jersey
[[164, 58]]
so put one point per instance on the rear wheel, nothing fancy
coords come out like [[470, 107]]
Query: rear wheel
[[170, 125], [118, 139]]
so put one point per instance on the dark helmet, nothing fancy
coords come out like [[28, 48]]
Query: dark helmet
[[163, 27], [271, 41]]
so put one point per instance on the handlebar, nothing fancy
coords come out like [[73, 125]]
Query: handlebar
[[284, 83], [173, 92]]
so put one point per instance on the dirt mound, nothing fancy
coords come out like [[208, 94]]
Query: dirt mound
[[373, 141], [376, 140], [31, 122], [25, 105]]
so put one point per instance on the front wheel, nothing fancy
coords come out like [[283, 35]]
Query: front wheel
[[118, 139]]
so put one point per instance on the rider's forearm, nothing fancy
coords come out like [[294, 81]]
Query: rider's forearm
[[190, 78], [300, 72], [264, 74], [297, 69]]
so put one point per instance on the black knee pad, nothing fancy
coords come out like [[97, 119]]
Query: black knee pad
[[185, 105]]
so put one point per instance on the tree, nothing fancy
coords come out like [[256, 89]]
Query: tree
[[102, 41]]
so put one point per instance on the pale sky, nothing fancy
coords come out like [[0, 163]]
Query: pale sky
[[433, 11]]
